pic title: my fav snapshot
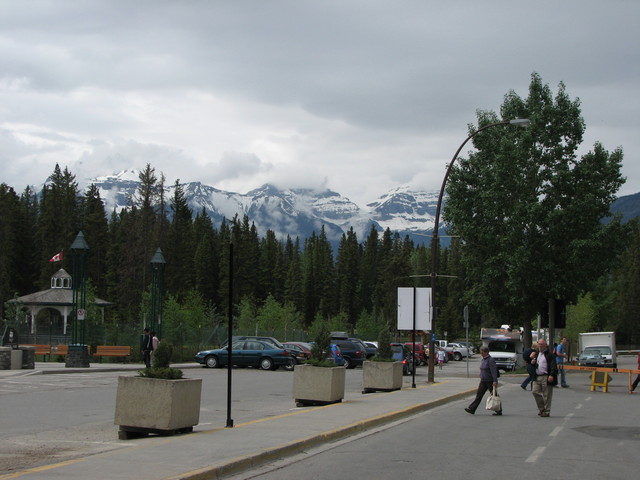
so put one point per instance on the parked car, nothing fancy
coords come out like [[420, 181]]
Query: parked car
[[372, 349], [301, 350], [591, 357], [402, 353], [335, 355], [247, 353], [460, 351], [469, 345], [353, 353], [369, 352], [421, 352], [273, 341]]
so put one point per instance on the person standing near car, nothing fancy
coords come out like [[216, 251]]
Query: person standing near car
[[546, 378], [488, 380], [561, 358]]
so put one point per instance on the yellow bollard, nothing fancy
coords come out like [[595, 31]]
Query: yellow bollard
[[600, 379]]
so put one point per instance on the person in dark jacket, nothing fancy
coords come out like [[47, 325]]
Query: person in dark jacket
[[488, 380], [546, 377], [531, 370], [146, 347]]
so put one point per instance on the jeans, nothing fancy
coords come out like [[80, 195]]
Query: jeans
[[531, 370], [562, 373]]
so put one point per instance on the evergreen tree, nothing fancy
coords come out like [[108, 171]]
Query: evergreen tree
[[58, 222], [348, 276], [180, 246], [95, 228]]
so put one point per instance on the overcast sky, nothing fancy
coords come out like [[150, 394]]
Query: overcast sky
[[356, 96]]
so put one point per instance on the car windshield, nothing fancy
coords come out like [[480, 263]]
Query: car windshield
[[502, 347], [597, 351]]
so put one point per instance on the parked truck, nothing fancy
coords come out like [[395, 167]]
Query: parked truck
[[597, 349], [505, 346]]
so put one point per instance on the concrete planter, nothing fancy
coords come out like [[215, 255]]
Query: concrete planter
[[385, 376], [318, 385], [152, 405]]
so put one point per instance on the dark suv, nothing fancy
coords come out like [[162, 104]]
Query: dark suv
[[353, 351]]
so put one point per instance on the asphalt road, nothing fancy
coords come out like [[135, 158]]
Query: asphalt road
[[51, 418], [589, 435]]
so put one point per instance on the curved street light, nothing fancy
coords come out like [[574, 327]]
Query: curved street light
[[521, 122]]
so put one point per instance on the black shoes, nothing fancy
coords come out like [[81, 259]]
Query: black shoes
[[468, 410], [497, 413]]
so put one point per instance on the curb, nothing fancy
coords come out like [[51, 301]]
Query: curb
[[258, 459]]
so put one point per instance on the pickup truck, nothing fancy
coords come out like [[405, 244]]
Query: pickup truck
[[459, 351]]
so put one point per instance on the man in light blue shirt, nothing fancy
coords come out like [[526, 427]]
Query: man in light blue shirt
[[561, 355]]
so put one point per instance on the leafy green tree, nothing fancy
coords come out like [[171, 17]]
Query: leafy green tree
[[529, 210], [369, 325]]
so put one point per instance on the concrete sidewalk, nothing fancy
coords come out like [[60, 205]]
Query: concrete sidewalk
[[222, 451]]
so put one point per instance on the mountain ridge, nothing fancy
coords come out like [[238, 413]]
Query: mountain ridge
[[301, 212]]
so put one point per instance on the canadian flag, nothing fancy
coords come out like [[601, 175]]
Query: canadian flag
[[56, 258]]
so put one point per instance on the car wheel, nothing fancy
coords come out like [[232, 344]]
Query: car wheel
[[457, 356], [266, 363], [290, 365], [348, 363], [211, 361]]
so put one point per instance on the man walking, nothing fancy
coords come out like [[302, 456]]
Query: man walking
[[561, 358], [546, 378], [488, 380]]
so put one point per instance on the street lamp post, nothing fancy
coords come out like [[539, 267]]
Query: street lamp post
[[78, 355], [157, 290], [522, 122]]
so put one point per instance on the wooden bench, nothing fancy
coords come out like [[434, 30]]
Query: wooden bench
[[112, 351], [64, 350], [40, 348]]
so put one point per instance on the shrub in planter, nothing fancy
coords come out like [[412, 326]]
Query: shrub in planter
[[161, 364], [319, 381], [159, 400], [382, 372]]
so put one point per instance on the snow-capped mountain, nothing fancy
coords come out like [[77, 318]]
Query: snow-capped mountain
[[293, 212]]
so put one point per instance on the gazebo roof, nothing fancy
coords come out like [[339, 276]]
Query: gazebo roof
[[55, 296]]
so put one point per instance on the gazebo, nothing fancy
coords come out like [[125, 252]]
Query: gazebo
[[48, 311]]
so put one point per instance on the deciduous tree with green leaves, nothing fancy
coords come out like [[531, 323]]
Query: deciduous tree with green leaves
[[529, 208]]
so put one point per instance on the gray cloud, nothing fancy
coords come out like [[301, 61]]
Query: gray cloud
[[356, 95]]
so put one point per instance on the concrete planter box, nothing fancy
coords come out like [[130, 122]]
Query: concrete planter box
[[386, 376], [318, 385], [152, 405]]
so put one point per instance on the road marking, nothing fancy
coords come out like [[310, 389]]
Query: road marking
[[555, 432], [536, 453]]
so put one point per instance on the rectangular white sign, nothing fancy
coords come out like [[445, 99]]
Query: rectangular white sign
[[406, 310]]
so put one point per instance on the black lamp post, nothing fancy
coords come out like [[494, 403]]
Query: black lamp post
[[78, 354], [522, 122], [157, 290], [79, 252]]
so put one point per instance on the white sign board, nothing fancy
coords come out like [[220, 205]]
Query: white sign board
[[81, 313], [422, 308]]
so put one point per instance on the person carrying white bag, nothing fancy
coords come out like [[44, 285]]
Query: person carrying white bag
[[488, 382]]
